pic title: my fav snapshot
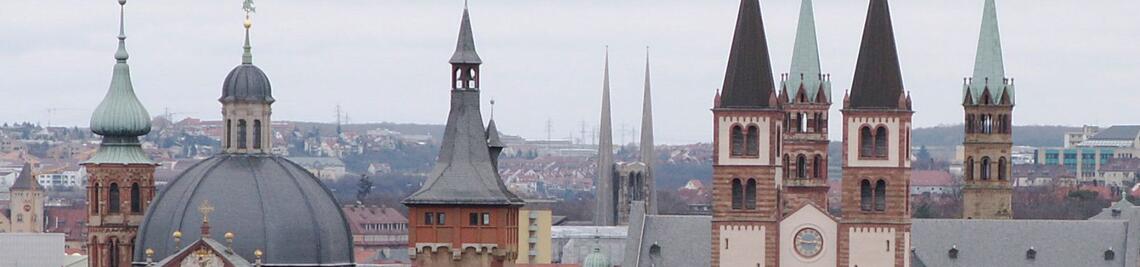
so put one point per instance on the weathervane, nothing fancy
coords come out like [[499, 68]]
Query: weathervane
[[247, 5]]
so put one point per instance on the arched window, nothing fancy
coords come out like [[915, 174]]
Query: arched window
[[866, 142], [970, 168], [750, 194], [753, 140], [803, 123], [1002, 169], [113, 200], [865, 195], [801, 167], [229, 133], [241, 134], [136, 199], [737, 141], [985, 168], [95, 200], [817, 167], [969, 123], [737, 194], [113, 253], [881, 142], [257, 134], [787, 167], [880, 195]]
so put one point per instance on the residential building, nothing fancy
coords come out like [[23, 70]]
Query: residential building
[[535, 222], [379, 234], [1086, 158], [68, 177], [934, 183]]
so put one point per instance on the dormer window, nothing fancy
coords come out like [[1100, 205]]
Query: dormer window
[[1109, 255], [953, 252], [1031, 254]]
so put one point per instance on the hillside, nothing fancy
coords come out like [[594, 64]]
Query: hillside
[[1031, 135]]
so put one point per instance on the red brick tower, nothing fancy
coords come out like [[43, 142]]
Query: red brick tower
[[988, 104], [875, 229], [464, 215], [747, 123], [806, 94], [120, 182]]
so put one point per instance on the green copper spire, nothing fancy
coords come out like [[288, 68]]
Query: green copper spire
[[805, 70], [121, 114], [247, 56], [120, 118], [989, 69]]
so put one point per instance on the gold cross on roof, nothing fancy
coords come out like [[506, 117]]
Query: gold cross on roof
[[205, 209]]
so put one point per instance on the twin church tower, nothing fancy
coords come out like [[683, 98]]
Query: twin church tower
[[770, 205]]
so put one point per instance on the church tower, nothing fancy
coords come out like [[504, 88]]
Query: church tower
[[464, 215], [605, 185], [875, 229], [806, 94], [988, 103], [247, 100], [621, 185], [27, 203], [120, 182], [747, 132]]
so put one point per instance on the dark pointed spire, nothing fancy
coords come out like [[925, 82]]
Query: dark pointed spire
[[603, 186], [464, 173], [748, 80], [877, 83], [465, 46], [648, 154], [26, 181]]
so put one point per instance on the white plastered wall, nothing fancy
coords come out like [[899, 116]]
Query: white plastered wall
[[853, 126], [742, 246], [868, 246], [808, 217], [724, 136]]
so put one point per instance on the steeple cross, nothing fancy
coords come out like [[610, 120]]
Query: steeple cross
[[205, 209]]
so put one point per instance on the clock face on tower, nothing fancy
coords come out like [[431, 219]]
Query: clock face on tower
[[808, 242]]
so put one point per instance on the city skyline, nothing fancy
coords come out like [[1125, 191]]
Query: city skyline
[[546, 63]]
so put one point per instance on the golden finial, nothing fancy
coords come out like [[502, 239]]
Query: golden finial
[[149, 256], [177, 240], [177, 235], [257, 253], [205, 209], [257, 257], [230, 236]]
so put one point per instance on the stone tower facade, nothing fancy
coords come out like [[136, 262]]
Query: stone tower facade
[[26, 204], [988, 103], [464, 215], [875, 228], [120, 182], [747, 132], [621, 184], [806, 94]]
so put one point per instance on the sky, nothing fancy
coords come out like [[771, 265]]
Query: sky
[[1075, 62]]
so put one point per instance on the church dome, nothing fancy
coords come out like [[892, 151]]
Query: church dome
[[596, 259], [270, 203], [247, 83]]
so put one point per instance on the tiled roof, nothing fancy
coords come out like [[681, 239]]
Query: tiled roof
[[931, 178]]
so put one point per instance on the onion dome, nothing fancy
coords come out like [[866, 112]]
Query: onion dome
[[121, 114], [596, 259], [276, 205]]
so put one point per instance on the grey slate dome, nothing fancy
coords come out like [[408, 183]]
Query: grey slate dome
[[247, 83], [268, 202]]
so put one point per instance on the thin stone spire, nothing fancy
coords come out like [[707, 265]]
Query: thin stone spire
[[988, 64], [648, 155], [604, 213], [805, 68]]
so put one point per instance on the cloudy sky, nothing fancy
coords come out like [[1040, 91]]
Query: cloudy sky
[[1076, 62]]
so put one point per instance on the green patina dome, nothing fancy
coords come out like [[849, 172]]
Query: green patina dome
[[121, 114], [597, 259]]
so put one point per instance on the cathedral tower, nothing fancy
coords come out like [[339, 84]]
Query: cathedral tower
[[747, 133], [27, 203], [875, 229], [247, 100], [605, 187], [120, 182], [806, 94], [620, 185], [988, 103], [464, 215]]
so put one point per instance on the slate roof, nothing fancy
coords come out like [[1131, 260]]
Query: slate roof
[[1005, 242], [271, 203], [681, 240], [1119, 132], [247, 83], [465, 45], [877, 83], [26, 181], [989, 68], [805, 71], [748, 80]]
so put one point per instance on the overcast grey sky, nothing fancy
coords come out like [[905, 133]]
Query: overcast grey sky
[[1075, 62]]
